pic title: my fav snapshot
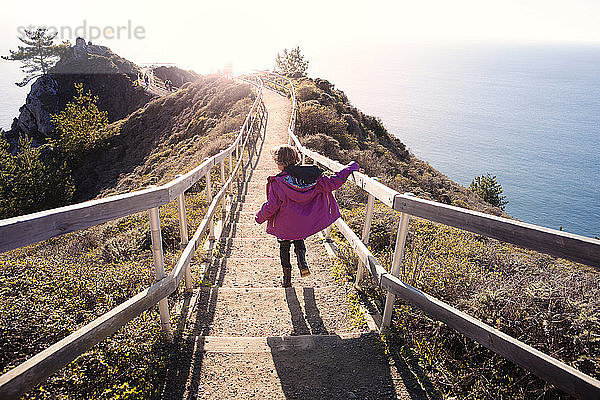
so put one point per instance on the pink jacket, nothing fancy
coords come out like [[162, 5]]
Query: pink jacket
[[295, 211]]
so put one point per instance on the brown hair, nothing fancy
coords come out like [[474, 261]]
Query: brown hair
[[285, 155]]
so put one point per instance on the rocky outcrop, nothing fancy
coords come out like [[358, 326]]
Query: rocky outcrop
[[93, 59], [34, 118], [102, 72]]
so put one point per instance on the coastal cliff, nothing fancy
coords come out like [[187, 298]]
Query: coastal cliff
[[105, 74]]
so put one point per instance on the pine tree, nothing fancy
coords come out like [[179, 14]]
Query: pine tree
[[80, 125], [39, 55], [291, 62], [488, 188]]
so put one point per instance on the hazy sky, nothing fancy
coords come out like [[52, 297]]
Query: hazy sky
[[203, 35]]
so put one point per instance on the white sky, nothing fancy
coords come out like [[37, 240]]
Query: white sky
[[203, 35]]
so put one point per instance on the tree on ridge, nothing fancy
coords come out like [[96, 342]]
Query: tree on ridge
[[39, 55], [291, 62], [80, 125]]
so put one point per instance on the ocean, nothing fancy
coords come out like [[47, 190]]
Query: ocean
[[11, 96], [529, 114]]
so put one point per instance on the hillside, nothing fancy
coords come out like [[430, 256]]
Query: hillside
[[546, 302], [166, 137], [176, 75], [38, 170]]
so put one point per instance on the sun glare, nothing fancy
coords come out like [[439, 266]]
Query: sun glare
[[205, 35]]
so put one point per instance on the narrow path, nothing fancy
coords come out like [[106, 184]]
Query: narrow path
[[247, 338], [156, 86]]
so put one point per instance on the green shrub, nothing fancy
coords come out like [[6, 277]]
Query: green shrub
[[488, 188], [80, 125], [31, 182], [323, 144], [315, 119], [307, 91]]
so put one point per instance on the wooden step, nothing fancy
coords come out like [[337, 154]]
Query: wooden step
[[269, 344], [223, 311]]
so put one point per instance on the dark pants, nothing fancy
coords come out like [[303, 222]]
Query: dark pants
[[284, 250]]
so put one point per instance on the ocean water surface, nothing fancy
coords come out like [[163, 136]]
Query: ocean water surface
[[529, 114], [11, 96]]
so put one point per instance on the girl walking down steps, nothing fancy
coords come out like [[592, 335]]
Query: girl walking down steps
[[299, 203]]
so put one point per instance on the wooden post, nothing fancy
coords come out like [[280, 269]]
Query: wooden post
[[222, 184], [262, 120], [222, 172], [230, 189], [328, 233], [211, 227], [396, 264], [303, 158], [184, 238], [237, 157], [159, 268], [183, 233], [366, 232]]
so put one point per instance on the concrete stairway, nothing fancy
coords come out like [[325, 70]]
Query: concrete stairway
[[247, 338]]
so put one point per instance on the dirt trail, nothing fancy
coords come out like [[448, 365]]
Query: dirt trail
[[247, 338]]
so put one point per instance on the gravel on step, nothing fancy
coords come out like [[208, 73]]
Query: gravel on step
[[270, 312]]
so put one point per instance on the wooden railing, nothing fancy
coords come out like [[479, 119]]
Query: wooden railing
[[23, 230], [557, 243]]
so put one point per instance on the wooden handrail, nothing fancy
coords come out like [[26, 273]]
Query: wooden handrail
[[25, 376], [32, 228], [562, 244], [567, 378]]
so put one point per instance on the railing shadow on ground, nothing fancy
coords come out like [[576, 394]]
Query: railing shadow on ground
[[185, 364], [187, 352]]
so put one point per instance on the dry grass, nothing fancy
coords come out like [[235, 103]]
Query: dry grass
[[168, 136], [548, 303]]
